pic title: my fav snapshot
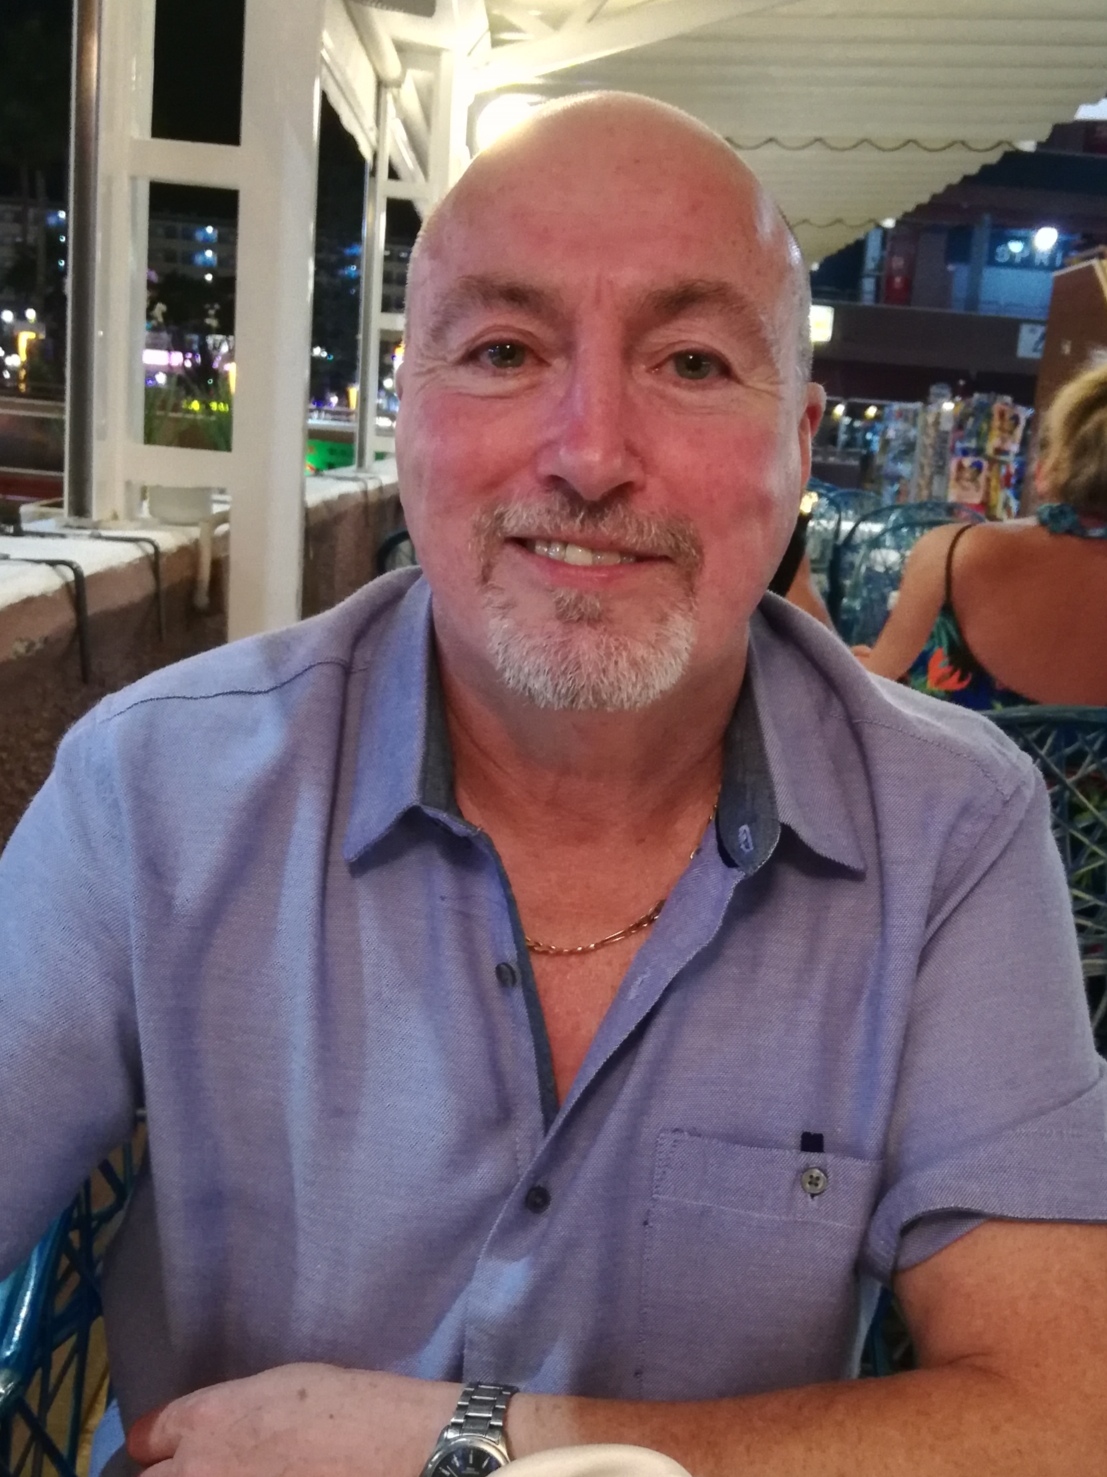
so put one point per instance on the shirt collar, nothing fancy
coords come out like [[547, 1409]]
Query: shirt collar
[[403, 748], [404, 760], [797, 712]]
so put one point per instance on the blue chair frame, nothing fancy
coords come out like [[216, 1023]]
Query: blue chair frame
[[48, 1309], [895, 527], [837, 510], [1069, 746]]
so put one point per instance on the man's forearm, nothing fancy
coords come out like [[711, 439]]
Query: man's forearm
[[315, 1420], [956, 1422]]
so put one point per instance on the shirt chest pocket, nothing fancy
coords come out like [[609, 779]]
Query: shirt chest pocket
[[749, 1278]]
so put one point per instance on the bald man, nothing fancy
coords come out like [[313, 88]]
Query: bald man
[[563, 986]]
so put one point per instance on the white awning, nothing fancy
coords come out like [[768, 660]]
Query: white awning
[[851, 111]]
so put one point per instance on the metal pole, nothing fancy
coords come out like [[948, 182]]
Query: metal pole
[[981, 240], [81, 230]]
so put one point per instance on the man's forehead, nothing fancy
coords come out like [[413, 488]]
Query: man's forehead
[[509, 265], [654, 200], [652, 236], [530, 204]]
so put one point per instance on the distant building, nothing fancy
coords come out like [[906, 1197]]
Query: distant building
[[958, 289], [192, 246], [336, 317], [12, 229]]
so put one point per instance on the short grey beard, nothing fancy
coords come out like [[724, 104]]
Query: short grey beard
[[579, 666], [577, 663]]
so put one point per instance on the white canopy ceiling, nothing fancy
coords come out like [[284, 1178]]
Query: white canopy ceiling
[[851, 111]]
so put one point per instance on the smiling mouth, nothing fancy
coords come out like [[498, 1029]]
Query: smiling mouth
[[563, 553]]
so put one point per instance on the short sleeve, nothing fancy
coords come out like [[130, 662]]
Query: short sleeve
[[1001, 1103], [69, 1073]]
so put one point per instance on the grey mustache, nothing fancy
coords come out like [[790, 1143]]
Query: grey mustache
[[633, 533]]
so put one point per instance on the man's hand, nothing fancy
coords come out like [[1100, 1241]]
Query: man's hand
[[302, 1420]]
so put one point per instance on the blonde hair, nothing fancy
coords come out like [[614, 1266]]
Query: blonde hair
[[1074, 443]]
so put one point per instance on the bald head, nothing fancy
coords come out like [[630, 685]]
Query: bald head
[[592, 154]]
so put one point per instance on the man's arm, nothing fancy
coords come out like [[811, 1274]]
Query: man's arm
[[70, 1077], [1010, 1325]]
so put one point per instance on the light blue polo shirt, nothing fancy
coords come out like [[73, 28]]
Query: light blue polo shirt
[[246, 899]]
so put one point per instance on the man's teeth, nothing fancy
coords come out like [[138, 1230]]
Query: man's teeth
[[575, 554]]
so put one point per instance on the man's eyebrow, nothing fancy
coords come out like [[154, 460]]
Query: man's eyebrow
[[742, 313], [481, 292]]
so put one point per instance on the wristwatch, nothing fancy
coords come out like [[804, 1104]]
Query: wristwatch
[[473, 1443]]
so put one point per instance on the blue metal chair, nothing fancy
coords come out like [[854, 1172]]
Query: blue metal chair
[[867, 563], [887, 1348], [396, 552], [1069, 746], [836, 511], [48, 1311]]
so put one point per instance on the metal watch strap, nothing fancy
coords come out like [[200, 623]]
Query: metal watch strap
[[480, 1411]]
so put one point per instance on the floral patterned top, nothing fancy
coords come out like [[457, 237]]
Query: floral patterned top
[[946, 667]]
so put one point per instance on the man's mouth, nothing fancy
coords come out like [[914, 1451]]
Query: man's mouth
[[576, 553]]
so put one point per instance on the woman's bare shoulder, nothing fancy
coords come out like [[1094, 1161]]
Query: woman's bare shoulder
[[933, 546]]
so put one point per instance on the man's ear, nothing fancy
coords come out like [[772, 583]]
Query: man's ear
[[814, 406], [814, 403]]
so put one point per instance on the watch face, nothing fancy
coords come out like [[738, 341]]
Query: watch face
[[467, 1461]]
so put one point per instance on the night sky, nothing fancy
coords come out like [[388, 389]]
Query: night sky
[[41, 78], [197, 87]]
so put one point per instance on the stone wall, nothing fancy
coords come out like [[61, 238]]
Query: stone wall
[[41, 691]]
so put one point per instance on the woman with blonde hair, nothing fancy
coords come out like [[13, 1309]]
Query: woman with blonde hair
[[1001, 614]]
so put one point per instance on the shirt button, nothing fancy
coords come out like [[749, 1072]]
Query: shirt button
[[537, 1199], [813, 1180], [506, 973]]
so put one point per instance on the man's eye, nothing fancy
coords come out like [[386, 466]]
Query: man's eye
[[692, 365], [504, 356]]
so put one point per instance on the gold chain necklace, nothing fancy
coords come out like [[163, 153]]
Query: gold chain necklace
[[646, 920]]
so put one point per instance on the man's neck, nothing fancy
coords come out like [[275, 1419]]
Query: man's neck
[[562, 775]]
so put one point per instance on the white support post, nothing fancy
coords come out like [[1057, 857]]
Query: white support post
[[276, 246], [274, 171], [453, 94], [372, 284], [447, 157], [127, 51]]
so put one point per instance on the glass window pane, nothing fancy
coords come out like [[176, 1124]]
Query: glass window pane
[[189, 364]]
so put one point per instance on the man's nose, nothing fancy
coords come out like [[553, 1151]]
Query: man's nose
[[590, 442]]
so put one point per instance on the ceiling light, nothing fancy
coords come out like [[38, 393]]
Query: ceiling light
[[822, 323], [501, 114]]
